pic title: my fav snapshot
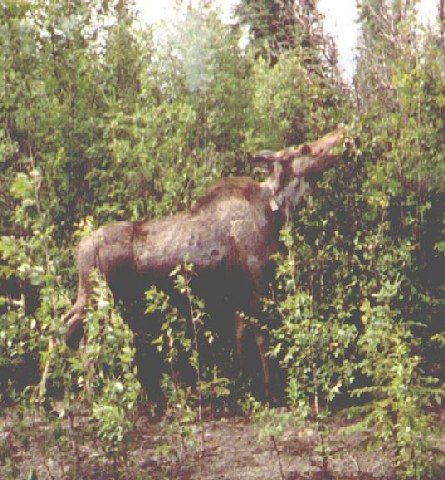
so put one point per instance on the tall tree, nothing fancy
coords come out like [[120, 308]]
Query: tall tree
[[387, 28], [277, 26], [295, 82], [271, 25], [442, 18]]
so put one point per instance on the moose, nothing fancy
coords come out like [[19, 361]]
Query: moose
[[228, 236]]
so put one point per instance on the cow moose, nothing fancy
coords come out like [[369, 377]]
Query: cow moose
[[228, 237]]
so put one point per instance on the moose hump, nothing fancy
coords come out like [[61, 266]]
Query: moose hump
[[242, 187]]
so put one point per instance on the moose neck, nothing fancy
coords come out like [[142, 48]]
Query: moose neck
[[284, 190]]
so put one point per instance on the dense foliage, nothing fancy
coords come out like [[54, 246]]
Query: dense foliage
[[102, 119]]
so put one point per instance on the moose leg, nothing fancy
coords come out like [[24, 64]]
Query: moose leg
[[74, 319], [74, 322], [240, 326], [254, 310], [108, 249], [262, 350], [150, 364]]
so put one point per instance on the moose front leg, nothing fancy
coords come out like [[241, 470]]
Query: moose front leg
[[240, 326], [261, 343]]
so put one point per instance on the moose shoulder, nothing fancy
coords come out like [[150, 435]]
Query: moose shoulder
[[228, 237]]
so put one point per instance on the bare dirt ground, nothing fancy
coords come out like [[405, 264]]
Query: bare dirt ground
[[226, 448]]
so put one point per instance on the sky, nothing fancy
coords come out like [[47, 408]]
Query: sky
[[340, 16]]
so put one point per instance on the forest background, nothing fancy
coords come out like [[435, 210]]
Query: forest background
[[99, 122]]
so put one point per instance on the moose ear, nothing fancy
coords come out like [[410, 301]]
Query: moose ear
[[305, 150], [269, 156]]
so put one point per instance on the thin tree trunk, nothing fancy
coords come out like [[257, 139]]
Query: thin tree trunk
[[442, 19]]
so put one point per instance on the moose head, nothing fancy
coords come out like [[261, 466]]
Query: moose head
[[296, 168]]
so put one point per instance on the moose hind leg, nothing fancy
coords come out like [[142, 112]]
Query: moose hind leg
[[74, 323], [87, 260]]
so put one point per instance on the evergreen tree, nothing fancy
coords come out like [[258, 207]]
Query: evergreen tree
[[387, 30], [277, 26]]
